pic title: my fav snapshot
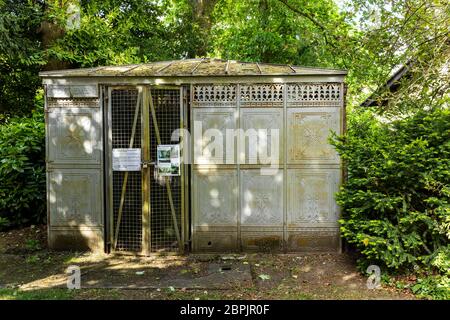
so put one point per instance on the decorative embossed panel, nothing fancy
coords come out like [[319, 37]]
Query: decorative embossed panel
[[307, 135], [74, 136], [261, 198], [209, 135], [261, 95], [261, 126], [207, 95], [314, 94], [311, 197], [259, 216], [215, 202], [74, 197]]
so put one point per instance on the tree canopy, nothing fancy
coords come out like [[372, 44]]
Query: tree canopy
[[369, 38]]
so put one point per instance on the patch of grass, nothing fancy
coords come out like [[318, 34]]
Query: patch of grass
[[32, 245], [296, 296], [73, 258], [99, 294], [33, 259], [43, 294], [165, 293]]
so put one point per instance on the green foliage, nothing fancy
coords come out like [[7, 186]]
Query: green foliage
[[111, 32], [34, 36], [368, 39], [32, 245], [396, 200], [114, 32], [22, 170], [21, 56], [4, 223], [294, 32], [432, 287], [41, 294], [394, 33]]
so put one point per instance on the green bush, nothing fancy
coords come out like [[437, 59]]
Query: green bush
[[436, 287], [395, 202], [22, 171]]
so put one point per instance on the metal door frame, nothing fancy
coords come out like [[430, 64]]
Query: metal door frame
[[143, 90]]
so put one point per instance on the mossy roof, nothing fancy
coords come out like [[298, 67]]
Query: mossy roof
[[205, 67]]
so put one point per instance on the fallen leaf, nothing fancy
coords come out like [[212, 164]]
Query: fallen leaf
[[264, 277], [228, 258]]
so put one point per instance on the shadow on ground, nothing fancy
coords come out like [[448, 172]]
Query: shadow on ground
[[29, 271]]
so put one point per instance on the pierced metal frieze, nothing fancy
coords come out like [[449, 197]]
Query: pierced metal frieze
[[213, 95], [309, 94], [73, 103], [262, 95]]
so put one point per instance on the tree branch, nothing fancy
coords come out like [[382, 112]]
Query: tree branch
[[310, 17], [306, 15]]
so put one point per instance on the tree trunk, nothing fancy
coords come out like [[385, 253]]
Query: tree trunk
[[201, 13]]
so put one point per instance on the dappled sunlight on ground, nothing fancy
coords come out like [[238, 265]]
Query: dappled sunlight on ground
[[34, 272]]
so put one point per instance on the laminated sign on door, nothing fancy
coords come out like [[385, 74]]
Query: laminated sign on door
[[126, 159], [168, 159]]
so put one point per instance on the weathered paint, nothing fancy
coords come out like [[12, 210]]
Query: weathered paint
[[75, 173], [292, 211]]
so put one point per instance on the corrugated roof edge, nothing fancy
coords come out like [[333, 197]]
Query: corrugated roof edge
[[92, 72]]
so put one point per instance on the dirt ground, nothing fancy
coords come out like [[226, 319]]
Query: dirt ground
[[29, 271]]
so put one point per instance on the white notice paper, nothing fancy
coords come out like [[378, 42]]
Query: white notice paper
[[126, 159]]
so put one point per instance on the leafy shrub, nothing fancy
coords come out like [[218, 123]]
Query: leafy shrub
[[22, 171], [395, 203], [436, 287], [3, 223], [32, 244]]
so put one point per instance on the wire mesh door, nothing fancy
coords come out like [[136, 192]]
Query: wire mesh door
[[147, 205], [166, 194], [126, 187]]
